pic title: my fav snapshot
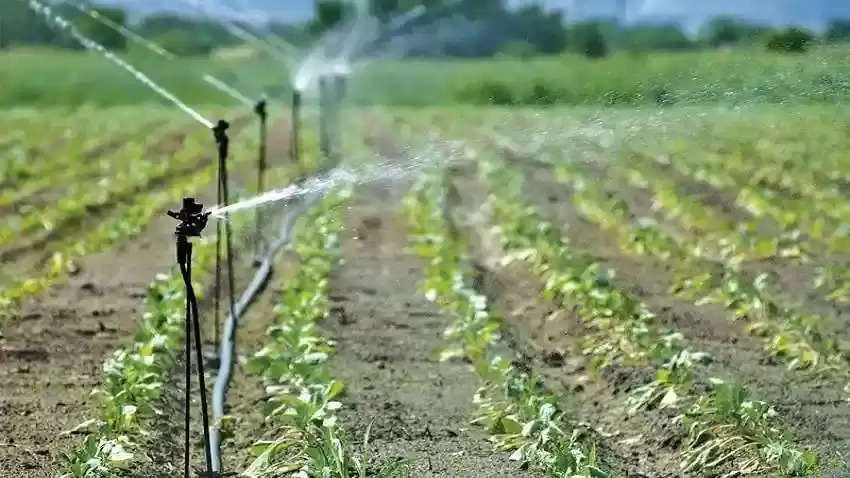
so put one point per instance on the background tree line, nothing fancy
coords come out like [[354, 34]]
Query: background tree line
[[471, 28]]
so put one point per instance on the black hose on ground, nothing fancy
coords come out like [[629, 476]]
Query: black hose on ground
[[228, 344]]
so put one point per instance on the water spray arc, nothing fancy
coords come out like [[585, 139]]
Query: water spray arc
[[120, 29], [228, 90], [60, 22], [273, 50], [192, 222]]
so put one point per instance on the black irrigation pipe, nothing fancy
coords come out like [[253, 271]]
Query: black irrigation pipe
[[228, 344]]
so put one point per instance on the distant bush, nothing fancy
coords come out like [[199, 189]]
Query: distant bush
[[543, 94], [102, 34], [791, 40], [587, 38], [837, 30], [518, 49], [647, 38], [489, 92], [726, 31]]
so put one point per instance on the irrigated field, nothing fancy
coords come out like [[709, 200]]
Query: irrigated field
[[558, 292]]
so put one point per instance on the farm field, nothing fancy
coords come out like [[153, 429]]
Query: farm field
[[554, 292]]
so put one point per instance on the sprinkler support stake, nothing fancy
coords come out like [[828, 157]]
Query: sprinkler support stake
[[223, 142], [325, 100], [295, 139], [262, 113], [340, 89], [192, 222]]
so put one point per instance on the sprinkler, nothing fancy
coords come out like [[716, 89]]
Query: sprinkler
[[192, 222], [340, 89], [262, 113], [330, 96], [295, 140], [325, 100], [223, 142], [341, 86]]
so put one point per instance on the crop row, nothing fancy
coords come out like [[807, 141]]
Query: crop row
[[134, 377], [133, 173], [792, 335], [708, 251], [38, 147], [724, 424], [521, 416], [126, 220], [301, 395], [83, 162]]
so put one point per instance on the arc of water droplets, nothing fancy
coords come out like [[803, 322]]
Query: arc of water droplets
[[224, 87], [121, 29], [92, 45], [384, 170]]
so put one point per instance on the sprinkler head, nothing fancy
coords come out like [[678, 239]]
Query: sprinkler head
[[192, 218], [260, 108], [220, 131]]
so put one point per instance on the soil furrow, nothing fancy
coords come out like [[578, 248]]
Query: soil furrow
[[735, 353], [550, 340], [67, 333], [386, 333]]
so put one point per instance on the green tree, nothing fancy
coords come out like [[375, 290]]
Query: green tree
[[837, 30], [587, 38], [647, 38], [543, 30], [329, 13], [725, 31], [185, 36], [790, 40], [21, 26], [721, 31], [99, 32]]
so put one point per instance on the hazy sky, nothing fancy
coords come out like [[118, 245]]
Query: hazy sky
[[690, 13]]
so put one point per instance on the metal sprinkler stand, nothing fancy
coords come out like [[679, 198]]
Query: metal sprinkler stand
[[295, 139], [262, 113], [325, 100], [340, 90], [192, 221], [223, 142]]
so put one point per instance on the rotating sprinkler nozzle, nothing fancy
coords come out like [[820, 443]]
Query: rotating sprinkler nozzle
[[193, 220]]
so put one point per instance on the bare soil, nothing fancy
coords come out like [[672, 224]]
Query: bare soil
[[51, 357], [811, 405], [386, 333]]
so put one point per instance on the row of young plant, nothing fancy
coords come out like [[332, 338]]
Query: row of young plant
[[790, 335], [521, 416], [725, 426], [301, 401], [812, 217], [708, 242], [128, 171], [127, 220], [134, 376], [33, 141], [85, 155]]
